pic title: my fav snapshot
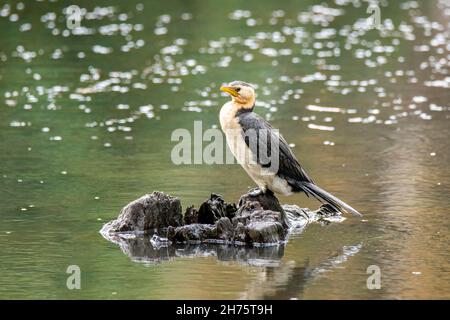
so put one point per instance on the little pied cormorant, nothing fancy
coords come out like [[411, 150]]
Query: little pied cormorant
[[236, 119]]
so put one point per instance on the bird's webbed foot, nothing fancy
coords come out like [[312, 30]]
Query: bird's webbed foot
[[256, 192]]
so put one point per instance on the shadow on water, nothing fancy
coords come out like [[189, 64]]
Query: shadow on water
[[275, 279]]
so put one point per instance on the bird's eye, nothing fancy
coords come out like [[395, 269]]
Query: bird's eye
[[238, 89]]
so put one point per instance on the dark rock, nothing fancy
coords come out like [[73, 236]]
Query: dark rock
[[191, 233], [265, 226], [265, 232], [150, 212], [240, 233], [191, 215], [170, 233], [224, 230], [266, 201], [245, 211], [212, 209], [257, 224], [260, 219], [230, 210]]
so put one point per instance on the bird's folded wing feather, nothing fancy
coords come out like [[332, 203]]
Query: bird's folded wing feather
[[288, 166]]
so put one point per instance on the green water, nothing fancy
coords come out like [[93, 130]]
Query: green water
[[75, 146]]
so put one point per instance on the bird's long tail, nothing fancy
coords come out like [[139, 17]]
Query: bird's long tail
[[327, 197]]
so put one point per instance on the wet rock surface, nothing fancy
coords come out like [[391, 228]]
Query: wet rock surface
[[149, 213], [215, 208], [266, 201], [258, 220]]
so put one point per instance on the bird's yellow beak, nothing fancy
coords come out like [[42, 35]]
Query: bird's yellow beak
[[229, 90]]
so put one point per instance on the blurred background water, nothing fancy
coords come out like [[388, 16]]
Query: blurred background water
[[86, 117]]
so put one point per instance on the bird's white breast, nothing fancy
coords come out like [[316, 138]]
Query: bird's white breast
[[228, 116], [243, 154]]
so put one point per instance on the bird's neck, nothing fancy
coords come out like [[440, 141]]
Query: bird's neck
[[229, 113], [244, 105], [237, 108]]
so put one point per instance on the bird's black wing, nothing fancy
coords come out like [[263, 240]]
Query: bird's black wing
[[288, 166]]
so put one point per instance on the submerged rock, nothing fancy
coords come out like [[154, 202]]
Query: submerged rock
[[259, 220]]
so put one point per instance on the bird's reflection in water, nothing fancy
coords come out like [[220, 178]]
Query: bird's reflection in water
[[275, 278], [288, 280]]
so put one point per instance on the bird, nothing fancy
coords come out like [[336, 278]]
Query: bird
[[239, 122]]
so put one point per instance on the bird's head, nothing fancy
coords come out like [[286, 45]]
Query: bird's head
[[242, 94]]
